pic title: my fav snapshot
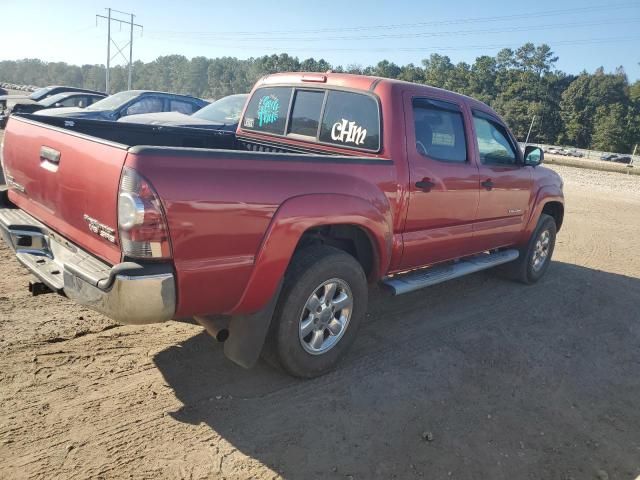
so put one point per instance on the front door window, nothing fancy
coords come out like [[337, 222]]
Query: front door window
[[493, 143]]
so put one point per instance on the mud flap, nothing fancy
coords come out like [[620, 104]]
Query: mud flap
[[247, 334], [4, 193]]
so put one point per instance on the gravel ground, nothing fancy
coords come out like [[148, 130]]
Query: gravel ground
[[476, 378], [609, 183]]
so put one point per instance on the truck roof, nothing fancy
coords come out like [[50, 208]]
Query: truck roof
[[363, 82]]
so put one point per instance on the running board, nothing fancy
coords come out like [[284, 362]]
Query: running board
[[417, 279]]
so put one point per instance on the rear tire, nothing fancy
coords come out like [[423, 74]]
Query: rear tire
[[323, 302], [535, 258]]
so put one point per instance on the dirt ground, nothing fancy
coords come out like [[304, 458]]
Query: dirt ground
[[476, 378]]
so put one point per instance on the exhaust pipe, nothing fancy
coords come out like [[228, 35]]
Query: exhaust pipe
[[216, 326]]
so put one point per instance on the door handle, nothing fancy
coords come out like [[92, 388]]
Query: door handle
[[49, 154], [488, 184], [425, 184]]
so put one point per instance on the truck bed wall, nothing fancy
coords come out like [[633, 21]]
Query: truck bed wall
[[130, 134], [222, 205]]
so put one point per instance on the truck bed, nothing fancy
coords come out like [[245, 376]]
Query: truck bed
[[128, 135], [131, 134], [67, 174]]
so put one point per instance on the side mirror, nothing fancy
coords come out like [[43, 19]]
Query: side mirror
[[533, 156]]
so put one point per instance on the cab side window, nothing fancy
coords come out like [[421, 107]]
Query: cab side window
[[494, 145], [181, 107], [439, 129], [146, 105], [71, 102]]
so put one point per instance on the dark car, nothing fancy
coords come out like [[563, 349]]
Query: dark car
[[223, 114], [40, 94], [622, 159], [3, 91], [130, 102], [61, 100], [614, 157]]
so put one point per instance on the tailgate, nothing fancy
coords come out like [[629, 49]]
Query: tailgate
[[67, 180]]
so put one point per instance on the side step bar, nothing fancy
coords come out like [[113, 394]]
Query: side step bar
[[417, 279]]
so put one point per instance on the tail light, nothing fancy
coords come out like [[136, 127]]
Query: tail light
[[141, 221]]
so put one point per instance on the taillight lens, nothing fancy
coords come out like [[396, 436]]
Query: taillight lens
[[141, 222]]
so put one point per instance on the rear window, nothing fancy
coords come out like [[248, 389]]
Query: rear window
[[305, 116], [340, 118], [351, 120], [267, 110]]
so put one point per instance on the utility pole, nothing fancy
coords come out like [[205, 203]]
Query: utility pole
[[108, 50], [529, 132], [130, 52], [109, 18]]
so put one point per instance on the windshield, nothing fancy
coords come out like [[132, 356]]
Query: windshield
[[114, 101], [227, 110], [40, 93]]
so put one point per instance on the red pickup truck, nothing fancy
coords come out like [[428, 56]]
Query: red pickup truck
[[330, 182]]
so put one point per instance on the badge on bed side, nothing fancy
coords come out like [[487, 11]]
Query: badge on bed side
[[100, 229]]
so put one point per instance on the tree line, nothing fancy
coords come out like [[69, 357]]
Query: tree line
[[596, 110]]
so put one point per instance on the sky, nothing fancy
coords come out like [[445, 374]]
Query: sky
[[585, 34]]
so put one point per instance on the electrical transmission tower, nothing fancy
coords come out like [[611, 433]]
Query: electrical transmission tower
[[109, 18]]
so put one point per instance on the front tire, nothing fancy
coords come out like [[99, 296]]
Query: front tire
[[323, 302], [535, 258]]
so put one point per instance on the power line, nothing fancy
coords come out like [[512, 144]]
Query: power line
[[585, 41], [564, 25], [110, 19], [547, 13]]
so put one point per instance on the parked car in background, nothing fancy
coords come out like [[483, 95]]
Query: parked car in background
[[40, 94], [3, 91], [223, 114], [572, 152], [615, 157], [622, 159], [61, 100], [130, 102], [553, 151]]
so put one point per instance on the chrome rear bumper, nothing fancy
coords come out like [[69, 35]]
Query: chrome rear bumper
[[128, 292]]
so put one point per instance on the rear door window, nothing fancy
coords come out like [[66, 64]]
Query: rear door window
[[351, 120], [73, 102], [146, 105], [267, 110], [181, 107], [439, 130]]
